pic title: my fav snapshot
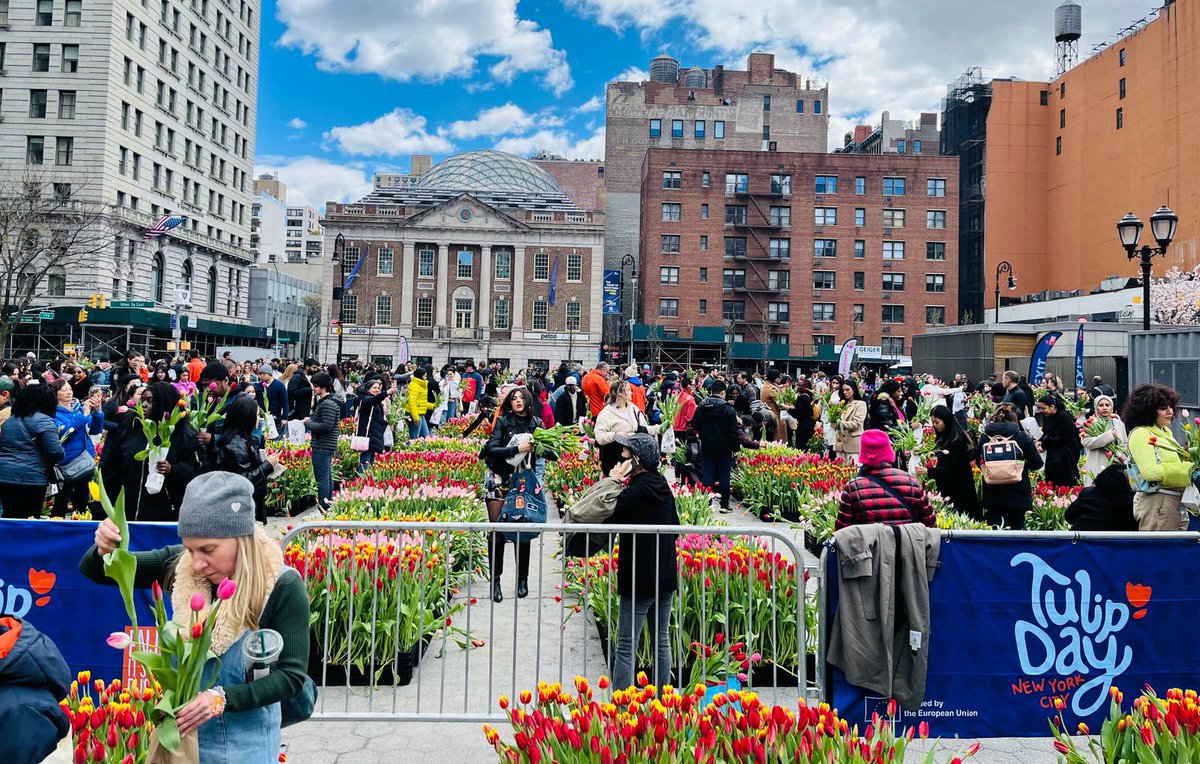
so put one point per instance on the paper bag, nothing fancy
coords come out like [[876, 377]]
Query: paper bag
[[188, 753]]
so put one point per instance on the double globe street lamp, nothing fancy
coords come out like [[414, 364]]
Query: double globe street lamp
[[1162, 226]]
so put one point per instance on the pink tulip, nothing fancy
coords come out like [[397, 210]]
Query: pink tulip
[[212, 386], [197, 602], [129, 402], [156, 591], [226, 589], [122, 409], [118, 640]]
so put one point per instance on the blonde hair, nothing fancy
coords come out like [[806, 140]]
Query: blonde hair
[[259, 562], [288, 372]]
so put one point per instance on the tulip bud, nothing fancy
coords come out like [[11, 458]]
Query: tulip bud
[[197, 602], [156, 591], [118, 640], [226, 589], [197, 630]]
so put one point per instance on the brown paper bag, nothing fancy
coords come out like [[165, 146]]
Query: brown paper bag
[[188, 753]]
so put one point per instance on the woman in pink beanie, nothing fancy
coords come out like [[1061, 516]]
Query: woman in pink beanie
[[882, 493]]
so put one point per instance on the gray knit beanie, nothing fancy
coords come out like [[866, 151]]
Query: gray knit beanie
[[217, 505]]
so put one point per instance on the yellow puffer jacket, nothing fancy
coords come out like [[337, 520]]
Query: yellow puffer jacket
[[418, 399]]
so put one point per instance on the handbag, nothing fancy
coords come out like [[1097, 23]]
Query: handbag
[[363, 442], [525, 503], [79, 468]]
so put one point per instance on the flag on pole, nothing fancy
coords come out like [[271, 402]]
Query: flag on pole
[[554, 280], [164, 224], [354, 272], [1079, 354], [1037, 360]]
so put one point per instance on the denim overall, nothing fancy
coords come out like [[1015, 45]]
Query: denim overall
[[241, 737]]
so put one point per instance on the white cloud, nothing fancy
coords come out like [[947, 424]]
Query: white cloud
[[632, 74], [315, 181], [508, 119], [556, 142], [876, 55], [428, 40], [595, 103], [400, 131], [297, 124]]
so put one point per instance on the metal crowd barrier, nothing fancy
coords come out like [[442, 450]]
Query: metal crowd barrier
[[491, 649]]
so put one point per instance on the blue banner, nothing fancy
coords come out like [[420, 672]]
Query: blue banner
[[1037, 361], [611, 296], [1017, 622], [554, 280], [1079, 357], [40, 582]]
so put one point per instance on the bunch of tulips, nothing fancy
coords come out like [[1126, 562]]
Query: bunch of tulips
[[111, 726], [569, 477], [781, 484], [695, 505], [1153, 730], [1049, 511]]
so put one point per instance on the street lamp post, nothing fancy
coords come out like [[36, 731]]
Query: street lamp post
[[1004, 267], [629, 260], [1162, 225], [339, 251]]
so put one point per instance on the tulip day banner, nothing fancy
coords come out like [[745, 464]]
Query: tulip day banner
[[1018, 622], [40, 582]]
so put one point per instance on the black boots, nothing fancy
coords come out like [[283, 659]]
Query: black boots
[[522, 588], [497, 596]]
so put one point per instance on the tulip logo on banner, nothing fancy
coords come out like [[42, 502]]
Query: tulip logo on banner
[[18, 601], [1073, 638]]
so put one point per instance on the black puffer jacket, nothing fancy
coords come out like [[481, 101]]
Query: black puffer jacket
[[122, 471], [372, 419], [323, 424], [883, 413], [235, 453], [716, 423], [646, 565], [1105, 505], [33, 678], [300, 396]]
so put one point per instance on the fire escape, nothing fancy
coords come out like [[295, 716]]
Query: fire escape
[[749, 227]]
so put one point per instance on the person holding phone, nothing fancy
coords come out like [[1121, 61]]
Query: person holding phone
[[76, 420], [236, 449]]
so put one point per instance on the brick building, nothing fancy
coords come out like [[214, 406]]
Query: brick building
[[484, 258], [786, 255]]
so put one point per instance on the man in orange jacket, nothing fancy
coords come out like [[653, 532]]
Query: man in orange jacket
[[635, 382], [595, 387]]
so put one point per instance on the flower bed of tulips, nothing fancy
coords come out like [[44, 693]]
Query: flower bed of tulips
[[1153, 730], [429, 466], [454, 428], [369, 498], [297, 482], [442, 443], [727, 585], [770, 483], [569, 477], [649, 724], [1049, 512], [112, 726], [695, 505]]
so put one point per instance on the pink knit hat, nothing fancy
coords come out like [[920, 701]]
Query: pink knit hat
[[876, 449]]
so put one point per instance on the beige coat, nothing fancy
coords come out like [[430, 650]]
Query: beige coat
[[1096, 460], [620, 420], [850, 429]]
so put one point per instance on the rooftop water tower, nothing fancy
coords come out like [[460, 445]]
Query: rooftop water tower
[[1068, 28], [664, 69]]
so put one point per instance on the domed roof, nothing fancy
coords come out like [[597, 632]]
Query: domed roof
[[489, 170]]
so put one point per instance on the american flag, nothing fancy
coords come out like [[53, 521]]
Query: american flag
[[164, 224]]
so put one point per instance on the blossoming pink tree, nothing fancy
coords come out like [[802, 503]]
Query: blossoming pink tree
[[1175, 299]]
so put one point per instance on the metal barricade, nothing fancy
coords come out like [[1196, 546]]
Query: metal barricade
[[403, 625]]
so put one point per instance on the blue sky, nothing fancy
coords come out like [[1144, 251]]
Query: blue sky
[[348, 87]]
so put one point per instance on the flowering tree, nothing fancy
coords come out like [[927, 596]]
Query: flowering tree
[[1175, 299]]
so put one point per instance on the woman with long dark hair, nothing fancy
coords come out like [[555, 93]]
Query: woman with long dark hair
[[1160, 470], [950, 464], [1005, 505], [1059, 441], [850, 426], [236, 449], [29, 447], [372, 417]]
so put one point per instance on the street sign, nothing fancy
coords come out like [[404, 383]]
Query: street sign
[[131, 304], [47, 315], [69, 348], [30, 320]]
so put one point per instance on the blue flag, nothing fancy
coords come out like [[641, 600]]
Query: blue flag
[[1037, 361], [1079, 357], [554, 280], [354, 271]]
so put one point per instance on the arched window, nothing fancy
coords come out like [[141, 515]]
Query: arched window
[[464, 308], [157, 276], [185, 275], [212, 289]]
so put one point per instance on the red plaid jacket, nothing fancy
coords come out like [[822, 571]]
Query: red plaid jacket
[[864, 502]]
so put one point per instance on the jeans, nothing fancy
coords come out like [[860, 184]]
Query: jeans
[[632, 615], [452, 408], [322, 463], [716, 474], [418, 429]]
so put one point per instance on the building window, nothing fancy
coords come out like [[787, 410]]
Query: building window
[[464, 312], [672, 180], [672, 212], [37, 104], [3, 12], [935, 315], [705, 179], [426, 259], [893, 218], [733, 310], [212, 290], [825, 216], [733, 278], [66, 104], [387, 261], [70, 58], [799, 105], [45, 13], [35, 150], [893, 250], [656, 128], [766, 103], [735, 246], [719, 129], [466, 264], [736, 183], [935, 219], [668, 275], [860, 248], [670, 244], [935, 250], [383, 310], [901, 146], [677, 128], [935, 282], [704, 212], [779, 280], [859, 313], [825, 248], [574, 268], [1058, 146], [41, 57], [1062, 118], [782, 184], [704, 307], [860, 216], [1122, 88], [823, 311], [916, 147], [824, 279], [893, 347], [503, 270], [541, 266], [703, 243], [780, 248], [157, 276], [816, 107], [574, 316], [668, 308], [893, 314], [860, 281], [826, 184], [1045, 98], [74, 13], [541, 312], [424, 311], [1121, 55], [500, 314], [893, 282], [779, 312], [894, 186], [704, 275], [1120, 118], [698, 129], [935, 187], [860, 185], [735, 214]]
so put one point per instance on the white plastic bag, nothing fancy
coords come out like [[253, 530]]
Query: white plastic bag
[[668, 444], [389, 437], [270, 429], [1031, 428], [154, 478], [438, 415], [1191, 497], [516, 459], [295, 432]]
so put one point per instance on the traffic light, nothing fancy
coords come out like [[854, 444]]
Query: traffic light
[[103, 298], [93, 299], [83, 315]]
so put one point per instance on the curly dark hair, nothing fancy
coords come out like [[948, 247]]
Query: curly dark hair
[[1141, 410], [1006, 413]]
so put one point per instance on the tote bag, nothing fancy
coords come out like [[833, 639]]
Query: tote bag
[[525, 503]]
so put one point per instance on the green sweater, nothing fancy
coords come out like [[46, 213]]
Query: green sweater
[[286, 612], [1170, 468]]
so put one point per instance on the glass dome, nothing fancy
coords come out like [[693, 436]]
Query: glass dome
[[489, 170]]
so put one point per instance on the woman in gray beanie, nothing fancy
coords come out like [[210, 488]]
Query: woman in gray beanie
[[237, 720]]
